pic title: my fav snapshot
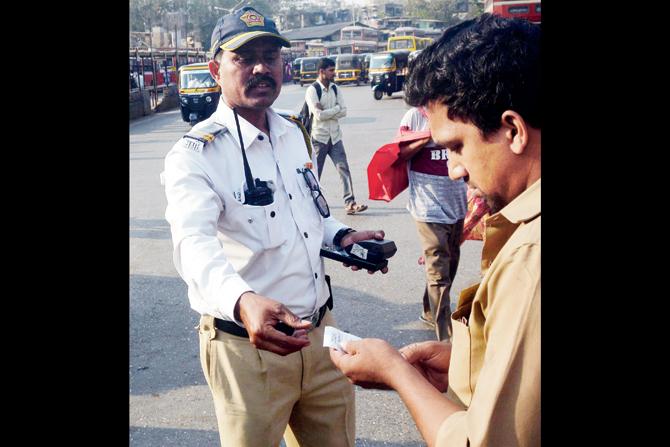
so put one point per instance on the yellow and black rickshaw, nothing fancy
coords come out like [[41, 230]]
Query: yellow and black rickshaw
[[198, 92], [388, 70], [295, 70], [308, 70], [349, 68]]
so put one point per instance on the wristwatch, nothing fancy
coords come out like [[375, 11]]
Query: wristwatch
[[340, 234]]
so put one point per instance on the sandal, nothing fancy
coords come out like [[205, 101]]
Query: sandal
[[353, 208]]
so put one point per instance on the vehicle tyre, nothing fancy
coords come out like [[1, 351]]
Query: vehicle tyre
[[389, 93], [301, 84], [378, 94], [184, 115]]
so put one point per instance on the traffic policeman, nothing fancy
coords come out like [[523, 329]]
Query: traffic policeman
[[248, 220]]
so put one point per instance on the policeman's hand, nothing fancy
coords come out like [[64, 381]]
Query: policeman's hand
[[369, 363], [431, 359], [356, 236], [260, 314]]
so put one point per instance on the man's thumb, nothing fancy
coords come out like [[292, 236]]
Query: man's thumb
[[294, 321]]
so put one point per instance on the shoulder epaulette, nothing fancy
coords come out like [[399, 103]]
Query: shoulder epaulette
[[305, 135], [199, 136]]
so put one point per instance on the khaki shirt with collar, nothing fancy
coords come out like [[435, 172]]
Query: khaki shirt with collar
[[494, 371], [325, 125]]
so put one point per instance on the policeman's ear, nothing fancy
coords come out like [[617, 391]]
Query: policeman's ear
[[516, 131], [213, 66]]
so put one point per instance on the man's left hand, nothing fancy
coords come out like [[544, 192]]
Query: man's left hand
[[356, 236]]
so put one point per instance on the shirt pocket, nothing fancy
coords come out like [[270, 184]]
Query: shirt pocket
[[307, 198], [460, 366], [254, 226]]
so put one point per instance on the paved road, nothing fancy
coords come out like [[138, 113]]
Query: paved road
[[169, 401]]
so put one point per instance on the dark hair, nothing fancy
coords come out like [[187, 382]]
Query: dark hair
[[480, 68], [326, 62]]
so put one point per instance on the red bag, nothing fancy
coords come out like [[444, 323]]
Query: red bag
[[387, 174]]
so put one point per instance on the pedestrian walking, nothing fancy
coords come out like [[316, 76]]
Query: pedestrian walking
[[326, 104], [438, 206]]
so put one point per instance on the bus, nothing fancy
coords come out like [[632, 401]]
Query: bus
[[411, 43], [529, 10]]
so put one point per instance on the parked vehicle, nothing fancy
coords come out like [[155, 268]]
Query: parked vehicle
[[198, 92], [349, 68], [308, 70], [388, 70], [295, 70]]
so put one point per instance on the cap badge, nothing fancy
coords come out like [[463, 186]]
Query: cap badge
[[252, 19]]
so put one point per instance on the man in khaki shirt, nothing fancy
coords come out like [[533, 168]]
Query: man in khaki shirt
[[481, 87]]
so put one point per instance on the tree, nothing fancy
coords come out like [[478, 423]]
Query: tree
[[201, 15], [434, 9]]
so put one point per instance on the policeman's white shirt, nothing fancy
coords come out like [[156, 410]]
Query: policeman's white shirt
[[325, 125], [223, 248]]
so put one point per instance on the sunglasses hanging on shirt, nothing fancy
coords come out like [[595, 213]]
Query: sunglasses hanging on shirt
[[258, 192], [319, 199]]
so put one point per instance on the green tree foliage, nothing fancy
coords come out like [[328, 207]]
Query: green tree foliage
[[201, 15], [434, 9]]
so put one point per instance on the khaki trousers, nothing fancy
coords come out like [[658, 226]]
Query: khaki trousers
[[257, 393], [441, 245]]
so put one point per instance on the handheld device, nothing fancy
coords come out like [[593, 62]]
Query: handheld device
[[370, 254]]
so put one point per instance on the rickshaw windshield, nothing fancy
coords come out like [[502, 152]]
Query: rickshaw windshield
[[309, 66], [385, 61], [197, 79]]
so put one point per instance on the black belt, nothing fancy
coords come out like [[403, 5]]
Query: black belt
[[231, 327]]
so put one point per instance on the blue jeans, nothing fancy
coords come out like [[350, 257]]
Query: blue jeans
[[339, 157]]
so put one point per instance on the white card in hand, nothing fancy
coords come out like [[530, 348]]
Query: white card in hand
[[333, 338]]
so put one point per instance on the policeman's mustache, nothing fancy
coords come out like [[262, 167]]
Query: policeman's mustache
[[253, 82]]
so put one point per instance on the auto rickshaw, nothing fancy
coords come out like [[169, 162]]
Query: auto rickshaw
[[348, 68], [295, 70], [388, 70], [198, 92], [308, 70]]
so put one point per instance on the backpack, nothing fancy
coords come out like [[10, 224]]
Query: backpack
[[306, 117]]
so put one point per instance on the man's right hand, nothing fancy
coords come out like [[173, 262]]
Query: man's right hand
[[260, 314], [431, 359]]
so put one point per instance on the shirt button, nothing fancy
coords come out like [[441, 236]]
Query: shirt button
[[272, 214], [250, 220], [305, 233], [260, 137], [316, 275]]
